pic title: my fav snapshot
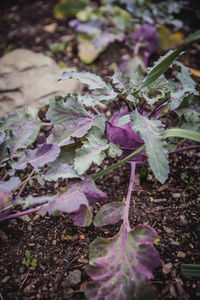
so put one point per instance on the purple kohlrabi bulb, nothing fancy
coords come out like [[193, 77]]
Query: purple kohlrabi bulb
[[123, 136], [146, 33]]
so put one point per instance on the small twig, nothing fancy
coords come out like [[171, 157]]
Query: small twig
[[23, 184], [61, 274], [24, 279]]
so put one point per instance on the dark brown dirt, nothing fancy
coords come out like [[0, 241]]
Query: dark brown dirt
[[173, 209]]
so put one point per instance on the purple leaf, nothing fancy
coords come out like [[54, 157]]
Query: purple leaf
[[42, 155], [123, 136], [2, 137], [106, 38], [89, 188], [75, 201], [5, 201], [61, 134], [10, 185], [60, 112], [121, 266], [82, 217], [71, 202], [23, 135], [109, 214], [90, 27], [6, 189]]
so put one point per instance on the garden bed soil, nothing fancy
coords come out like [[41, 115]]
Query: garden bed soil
[[61, 249]]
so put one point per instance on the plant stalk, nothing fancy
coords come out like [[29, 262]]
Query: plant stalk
[[185, 149], [128, 198], [20, 214]]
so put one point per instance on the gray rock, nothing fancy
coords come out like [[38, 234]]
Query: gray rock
[[74, 277], [28, 79]]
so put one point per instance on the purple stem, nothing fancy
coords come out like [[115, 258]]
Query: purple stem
[[25, 182], [22, 213], [117, 103], [5, 208], [179, 88], [124, 100], [137, 48], [97, 111], [128, 198], [142, 107], [4, 177], [185, 149], [145, 59], [157, 108]]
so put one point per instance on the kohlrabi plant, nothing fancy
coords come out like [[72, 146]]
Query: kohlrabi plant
[[80, 136], [139, 24]]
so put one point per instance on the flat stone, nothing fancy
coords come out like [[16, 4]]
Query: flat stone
[[29, 79]]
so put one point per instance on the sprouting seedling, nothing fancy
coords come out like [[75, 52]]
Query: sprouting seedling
[[29, 261]]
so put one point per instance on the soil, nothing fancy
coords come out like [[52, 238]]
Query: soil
[[61, 249]]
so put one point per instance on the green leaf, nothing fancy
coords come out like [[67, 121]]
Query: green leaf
[[114, 150], [156, 90], [69, 7], [182, 133], [59, 169], [99, 122], [122, 82], [102, 90], [109, 214], [187, 87], [163, 64], [152, 132], [28, 254], [31, 114], [93, 81], [92, 151], [34, 262], [190, 115], [60, 112]]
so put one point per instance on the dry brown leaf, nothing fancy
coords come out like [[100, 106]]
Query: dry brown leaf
[[195, 72], [51, 28]]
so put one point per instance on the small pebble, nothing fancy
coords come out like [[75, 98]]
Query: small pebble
[[181, 254], [74, 277], [167, 268]]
